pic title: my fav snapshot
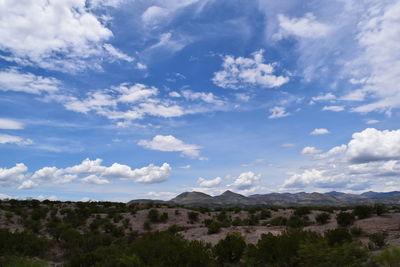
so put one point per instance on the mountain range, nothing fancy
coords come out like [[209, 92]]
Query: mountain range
[[229, 198]]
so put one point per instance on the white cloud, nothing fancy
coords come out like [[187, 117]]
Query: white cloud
[[374, 145], [13, 175], [152, 174], [246, 180], [4, 196], [278, 112], [28, 184], [371, 121], [8, 124], [326, 97], [209, 183], [305, 27], [93, 179], [242, 97], [11, 139], [163, 195], [371, 158], [87, 166], [169, 143], [185, 167], [117, 54], [174, 94], [310, 150], [60, 35], [377, 65], [54, 175], [333, 108], [319, 131], [206, 97], [13, 80], [244, 72]]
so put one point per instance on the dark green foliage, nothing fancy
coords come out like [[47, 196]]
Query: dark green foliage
[[322, 218], [295, 221], [378, 239], [356, 231], [214, 227], [23, 244], [338, 236], [363, 211], [167, 249], [264, 214], [164, 217], [301, 211], [319, 254], [380, 209], [147, 226], [277, 221], [153, 216], [345, 219], [193, 216], [230, 249], [280, 250], [389, 257]]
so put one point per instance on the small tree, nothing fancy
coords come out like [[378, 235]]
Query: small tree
[[193, 216], [363, 211], [153, 215], [322, 218], [230, 249], [345, 219], [214, 227]]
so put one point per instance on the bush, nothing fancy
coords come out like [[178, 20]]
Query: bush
[[214, 227], [389, 256], [153, 216], [230, 249], [345, 219], [295, 221], [380, 209], [356, 231], [322, 218], [277, 221], [363, 212], [338, 236], [193, 216], [301, 211], [147, 226], [378, 239]]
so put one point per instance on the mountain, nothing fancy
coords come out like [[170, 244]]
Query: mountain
[[372, 194], [229, 198]]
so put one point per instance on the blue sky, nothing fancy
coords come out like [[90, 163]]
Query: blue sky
[[117, 99]]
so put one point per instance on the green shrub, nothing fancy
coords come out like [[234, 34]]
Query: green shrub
[[214, 227], [230, 249], [338, 236], [389, 257], [193, 216], [322, 218], [301, 211], [363, 211], [378, 239], [345, 219]]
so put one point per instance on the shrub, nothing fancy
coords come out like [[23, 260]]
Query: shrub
[[295, 221], [214, 227], [193, 216], [153, 216], [277, 221], [147, 226], [301, 211], [322, 218], [230, 249], [363, 212], [356, 231], [378, 239], [345, 219], [389, 256], [338, 236]]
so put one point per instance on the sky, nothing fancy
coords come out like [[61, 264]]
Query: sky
[[124, 99]]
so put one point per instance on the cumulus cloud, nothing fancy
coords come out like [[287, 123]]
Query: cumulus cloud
[[11, 139], [319, 131], [209, 183], [246, 180], [60, 35], [278, 112], [326, 97], [370, 155], [244, 72], [8, 124], [93, 179], [374, 145], [310, 150], [170, 143], [13, 175], [305, 27], [28, 184], [89, 171], [13, 80]]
